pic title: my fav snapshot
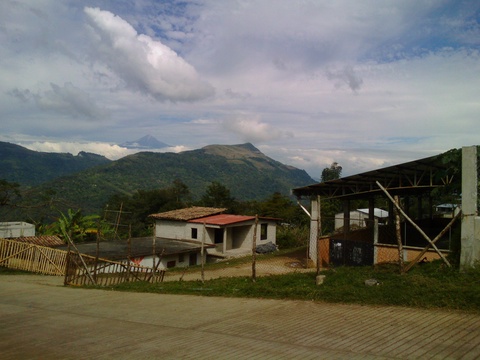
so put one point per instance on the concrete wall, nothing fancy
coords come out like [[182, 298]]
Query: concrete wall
[[16, 229], [147, 261], [179, 230]]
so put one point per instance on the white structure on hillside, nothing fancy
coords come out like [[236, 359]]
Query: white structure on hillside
[[360, 217], [16, 229]]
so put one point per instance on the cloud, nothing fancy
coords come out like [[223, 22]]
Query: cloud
[[69, 99], [110, 151], [345, 76], [66, 99], [284, 79], [144, 64], [251, 129]]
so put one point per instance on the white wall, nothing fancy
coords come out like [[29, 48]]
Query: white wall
[[16, 229], [179, 230], [356, 218], [147, 261]]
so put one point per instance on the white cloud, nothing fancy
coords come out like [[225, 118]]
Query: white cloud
[[143, 63], [68, 99], [110, 151], [363, 83], [251, 129]]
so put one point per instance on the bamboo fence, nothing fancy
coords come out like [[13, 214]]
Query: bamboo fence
[[84, 269], [33, 258]]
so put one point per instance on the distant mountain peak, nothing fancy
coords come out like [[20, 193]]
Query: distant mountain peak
[[144, 143]]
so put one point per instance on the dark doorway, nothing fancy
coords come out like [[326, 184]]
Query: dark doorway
[[218, 236], [192, 259]]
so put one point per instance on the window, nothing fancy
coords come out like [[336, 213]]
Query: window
[[263, 231], [171, 264], [181, 258], [194, 233]]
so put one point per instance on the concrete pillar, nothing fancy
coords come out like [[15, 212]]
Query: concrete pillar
[[315, 218], [224, 249], [470, 245]]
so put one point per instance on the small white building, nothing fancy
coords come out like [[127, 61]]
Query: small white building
[[360, 217], [16, 229], [447, 210], [230, 234]]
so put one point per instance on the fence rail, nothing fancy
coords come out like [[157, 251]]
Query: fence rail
[[33, 258], [78, 269], [88, 270]]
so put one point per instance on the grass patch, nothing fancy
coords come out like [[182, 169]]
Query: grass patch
[[427, 286], [7, 271]]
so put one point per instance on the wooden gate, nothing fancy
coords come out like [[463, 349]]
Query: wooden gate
[[84, 269], [30, 257]]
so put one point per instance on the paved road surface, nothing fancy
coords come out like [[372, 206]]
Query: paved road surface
[[40, 319]]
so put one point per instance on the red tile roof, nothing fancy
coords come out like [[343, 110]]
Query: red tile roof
[[223, 219]]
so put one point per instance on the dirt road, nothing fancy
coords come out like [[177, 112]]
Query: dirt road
[[41, 319]]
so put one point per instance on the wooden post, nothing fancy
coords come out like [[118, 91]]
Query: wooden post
[[398, 232], [154, 245], [202, 252], [97, 251], [254, 250], [81, 259], [419, 256], [415, 226], [375, 241], [67, 265], [129, 250]]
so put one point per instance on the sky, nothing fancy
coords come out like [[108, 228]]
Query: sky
[[366, 84]]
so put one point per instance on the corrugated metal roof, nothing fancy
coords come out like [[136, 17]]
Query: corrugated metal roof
[[414, 177], [223, 219], [187, 214], [120, 249], [42, 240]]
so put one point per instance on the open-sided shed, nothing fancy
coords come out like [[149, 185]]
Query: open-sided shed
[[411, 179]]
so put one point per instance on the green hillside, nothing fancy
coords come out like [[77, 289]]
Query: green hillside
[[32, 168], [249, 174]]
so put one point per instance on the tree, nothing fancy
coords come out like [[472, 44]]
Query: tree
[[330, 207], [137, 207], [74, 225], [180, 191], [9, 193], [217, 195], [331, 173]]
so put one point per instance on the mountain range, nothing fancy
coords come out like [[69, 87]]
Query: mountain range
[[87, 180]]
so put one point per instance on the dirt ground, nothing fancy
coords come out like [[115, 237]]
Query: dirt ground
[[290, 263]]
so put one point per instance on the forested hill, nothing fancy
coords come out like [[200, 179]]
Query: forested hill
[[247, 172], [30, 168]]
